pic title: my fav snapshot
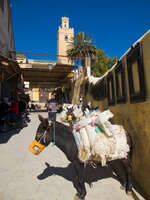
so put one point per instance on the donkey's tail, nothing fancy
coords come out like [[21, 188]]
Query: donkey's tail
[[130, 143]]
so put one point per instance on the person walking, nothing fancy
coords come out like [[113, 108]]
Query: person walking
[[52, 108]]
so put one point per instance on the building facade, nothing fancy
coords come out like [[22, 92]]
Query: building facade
[[9, 68], [7, 45]]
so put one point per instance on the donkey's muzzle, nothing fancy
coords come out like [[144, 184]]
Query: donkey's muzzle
[[36, 147]]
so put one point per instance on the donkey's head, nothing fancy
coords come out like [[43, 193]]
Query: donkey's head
[[43, 136], [70, 111], [42, 133]]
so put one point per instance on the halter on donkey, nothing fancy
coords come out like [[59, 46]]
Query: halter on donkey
[[65, 141]]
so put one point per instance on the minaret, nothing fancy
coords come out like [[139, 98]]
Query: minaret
[[64, 36]]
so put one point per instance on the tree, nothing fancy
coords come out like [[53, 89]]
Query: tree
[[103, 63], [80, 48]]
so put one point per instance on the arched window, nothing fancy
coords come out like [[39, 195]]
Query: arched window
[[66, 38]]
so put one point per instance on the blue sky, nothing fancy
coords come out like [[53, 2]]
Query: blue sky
[[114, 25]]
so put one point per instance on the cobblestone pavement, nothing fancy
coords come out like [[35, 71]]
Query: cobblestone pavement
[[47, 176]]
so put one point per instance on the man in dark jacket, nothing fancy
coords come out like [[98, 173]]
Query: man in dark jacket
[[52, 108]]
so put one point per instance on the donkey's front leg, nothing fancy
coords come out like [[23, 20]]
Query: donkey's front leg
[[78, 180]]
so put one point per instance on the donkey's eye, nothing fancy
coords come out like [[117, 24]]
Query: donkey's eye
[[38, 135], [44, 127]]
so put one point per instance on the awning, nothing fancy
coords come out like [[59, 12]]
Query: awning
[[8, 68], [41, 75]]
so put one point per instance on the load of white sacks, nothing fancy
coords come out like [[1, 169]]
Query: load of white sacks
[[97, 139], [77, 111], [63, 115]]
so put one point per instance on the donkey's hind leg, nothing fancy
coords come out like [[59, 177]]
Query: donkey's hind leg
[[128, 175], [78, 180]]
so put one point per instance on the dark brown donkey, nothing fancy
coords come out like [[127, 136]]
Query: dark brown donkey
[[65, 141]]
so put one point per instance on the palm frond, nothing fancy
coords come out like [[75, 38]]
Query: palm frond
[[80, 47]]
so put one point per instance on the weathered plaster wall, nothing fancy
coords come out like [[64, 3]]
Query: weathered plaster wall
[[35, 94], [135, 117], [76, 90]]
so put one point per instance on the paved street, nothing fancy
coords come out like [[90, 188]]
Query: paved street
[[47, 176]]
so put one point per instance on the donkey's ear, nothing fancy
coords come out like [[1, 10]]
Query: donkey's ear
[[41, 118], [46, 123], [47, 165]]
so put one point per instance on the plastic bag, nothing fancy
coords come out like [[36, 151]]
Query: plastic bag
[[105, 116], [102, 122]]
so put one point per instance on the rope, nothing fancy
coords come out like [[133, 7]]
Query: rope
[[53, 143], [43, 136], [93, 164]]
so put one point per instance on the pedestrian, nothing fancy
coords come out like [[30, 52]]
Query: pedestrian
[[52, 108]]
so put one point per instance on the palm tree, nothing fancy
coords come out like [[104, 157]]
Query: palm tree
[[81, 48]]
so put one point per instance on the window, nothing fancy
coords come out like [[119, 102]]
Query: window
[[66, 38], [120, 83], [136, 77], [98, 90], [110, 89]]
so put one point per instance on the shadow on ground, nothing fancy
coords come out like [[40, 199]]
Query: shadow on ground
[[91, 174], [4, 137]]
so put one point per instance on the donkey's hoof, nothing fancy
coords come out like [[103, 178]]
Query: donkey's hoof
[[76, 197], [122, 187], [129, 193]]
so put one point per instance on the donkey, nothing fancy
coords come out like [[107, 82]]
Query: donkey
[[65, 141]]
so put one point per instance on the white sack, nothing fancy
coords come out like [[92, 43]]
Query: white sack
[[91, 134], [85, 139], [111, 148], [79, 143], [122, 148], [86, 144], [77, 137]]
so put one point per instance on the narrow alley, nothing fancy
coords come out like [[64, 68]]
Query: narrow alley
[[25, 176]]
